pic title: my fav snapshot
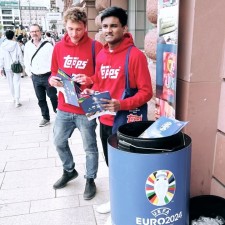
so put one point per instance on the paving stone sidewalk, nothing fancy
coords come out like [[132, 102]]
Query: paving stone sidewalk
[[29, 166]]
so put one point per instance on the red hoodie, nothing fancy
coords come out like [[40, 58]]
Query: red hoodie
[[110, 76], [73, 58]]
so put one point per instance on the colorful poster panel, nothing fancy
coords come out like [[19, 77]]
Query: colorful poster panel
[[166, 63], [168, 12]]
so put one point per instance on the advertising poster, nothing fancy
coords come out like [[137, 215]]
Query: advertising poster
[[166, 63]]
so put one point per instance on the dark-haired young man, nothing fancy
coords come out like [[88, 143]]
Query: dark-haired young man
[[110, 73], [73, 54]]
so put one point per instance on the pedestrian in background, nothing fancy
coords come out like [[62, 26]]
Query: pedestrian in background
[[2, 37], [49, 38], [75, 55], [37, 58], [21, 44], [9, 53]]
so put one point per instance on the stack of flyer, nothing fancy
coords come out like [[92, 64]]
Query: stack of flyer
[[163, 127], [93, 106]]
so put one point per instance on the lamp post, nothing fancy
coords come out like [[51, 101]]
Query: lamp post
[[29, 11], [21, 19], [20, 13]]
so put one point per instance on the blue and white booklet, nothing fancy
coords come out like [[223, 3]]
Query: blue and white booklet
[[93, 106], [70, 88], [163, 127]]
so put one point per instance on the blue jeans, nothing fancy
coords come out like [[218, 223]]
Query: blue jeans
[[64, 126]]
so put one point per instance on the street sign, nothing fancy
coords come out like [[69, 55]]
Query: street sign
[[54, 16], [9, 4]]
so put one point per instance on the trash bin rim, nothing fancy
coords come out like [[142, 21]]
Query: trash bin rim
[[206, 205], [156, 149], [146, 139]]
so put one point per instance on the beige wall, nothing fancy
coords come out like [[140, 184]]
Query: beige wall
[[92, 28], [201, 51], [218, 181], [92, 12]]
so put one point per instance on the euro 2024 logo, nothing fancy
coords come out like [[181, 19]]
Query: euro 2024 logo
[[160, 187]]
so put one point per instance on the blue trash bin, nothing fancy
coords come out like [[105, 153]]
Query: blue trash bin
[[149, 178]]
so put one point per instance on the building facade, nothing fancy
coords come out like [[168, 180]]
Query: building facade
[[32, 14], [9, 14], [15, 14]]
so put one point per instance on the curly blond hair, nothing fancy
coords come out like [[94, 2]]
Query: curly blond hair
[[75, 14]]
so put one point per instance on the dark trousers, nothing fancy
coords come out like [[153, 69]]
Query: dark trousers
[[41, 87], [105, 132]]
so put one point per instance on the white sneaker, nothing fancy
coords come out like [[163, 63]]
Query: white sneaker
[[109, 221], [104, 208]]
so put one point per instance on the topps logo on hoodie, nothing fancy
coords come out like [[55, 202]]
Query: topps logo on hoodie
[[74, 62], [107, 71]]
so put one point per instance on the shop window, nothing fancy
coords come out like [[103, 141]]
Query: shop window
[[4, 12], [138, 24]]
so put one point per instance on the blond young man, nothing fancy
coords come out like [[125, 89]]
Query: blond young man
[[73, 54]]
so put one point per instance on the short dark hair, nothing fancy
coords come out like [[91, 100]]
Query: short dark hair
[[35, 25], [115, 12], [48, 34], [20, 37], [9, 34]]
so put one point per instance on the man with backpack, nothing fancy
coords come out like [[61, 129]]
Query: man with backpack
[[37, 61]]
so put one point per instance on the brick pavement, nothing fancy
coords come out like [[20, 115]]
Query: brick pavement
[[29, 165]]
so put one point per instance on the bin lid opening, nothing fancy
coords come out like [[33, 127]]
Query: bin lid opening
[[129, 140]]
